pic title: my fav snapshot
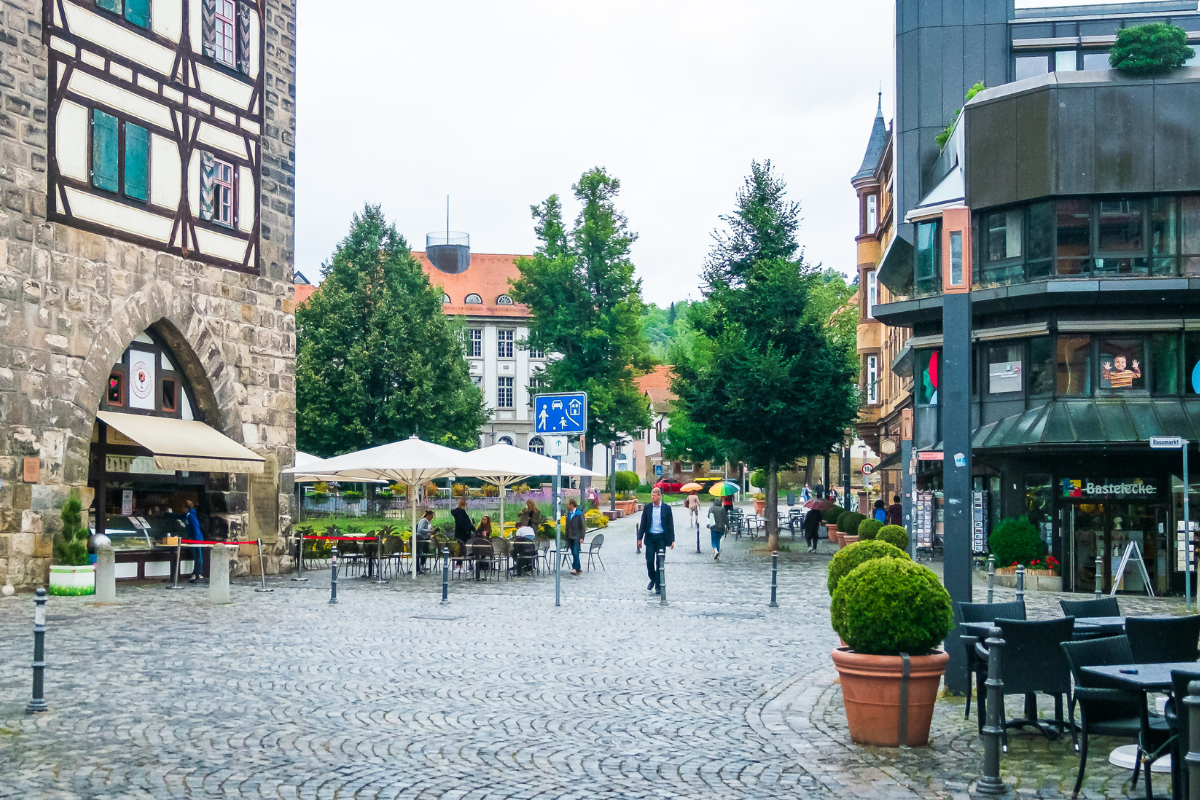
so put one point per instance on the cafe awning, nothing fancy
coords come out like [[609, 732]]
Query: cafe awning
[[187, 445]]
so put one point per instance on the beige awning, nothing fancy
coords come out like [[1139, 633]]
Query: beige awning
[[185, 445]]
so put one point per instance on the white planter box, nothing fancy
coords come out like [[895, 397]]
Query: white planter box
[[72, 581]]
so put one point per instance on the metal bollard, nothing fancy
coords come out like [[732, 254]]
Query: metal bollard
[[262, 569], [38, 701], [1021, 582], [445, 575], [662, 577], [333, 577], [991, 577], [1191, 761], [993, 732], [299, 576], [1099, 576], [774, 577]]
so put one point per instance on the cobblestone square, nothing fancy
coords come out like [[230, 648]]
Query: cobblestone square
[[499, 694]]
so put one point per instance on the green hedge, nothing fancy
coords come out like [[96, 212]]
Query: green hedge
[[892, 606], [627, 481], [868, 528], [845, 560], [1016, 541], [894, 535], [831, 514]]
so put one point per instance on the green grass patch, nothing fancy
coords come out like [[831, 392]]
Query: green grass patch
[[71, 591]]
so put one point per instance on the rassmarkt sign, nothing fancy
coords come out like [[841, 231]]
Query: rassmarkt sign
[[1132, 488]]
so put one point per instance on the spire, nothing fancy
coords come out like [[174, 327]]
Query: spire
[[875, 144]]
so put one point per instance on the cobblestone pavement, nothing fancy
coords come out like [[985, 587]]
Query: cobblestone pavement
[[499, 694]]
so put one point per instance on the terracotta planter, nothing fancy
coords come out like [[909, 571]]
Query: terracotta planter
[[847, 540], [871, 693], [831, 534], [628, 506], [760, 506]]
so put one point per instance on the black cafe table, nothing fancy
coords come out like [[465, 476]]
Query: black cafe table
[[1150, 678], [1090, 626]]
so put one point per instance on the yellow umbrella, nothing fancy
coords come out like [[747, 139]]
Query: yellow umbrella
[[691, 487]]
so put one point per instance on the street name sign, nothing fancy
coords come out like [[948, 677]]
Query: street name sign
[[562, 413], [1166, 442]]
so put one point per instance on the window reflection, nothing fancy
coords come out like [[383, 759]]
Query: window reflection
[[1074, 365]]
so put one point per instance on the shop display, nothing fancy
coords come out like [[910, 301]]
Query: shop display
[[1180, 558]]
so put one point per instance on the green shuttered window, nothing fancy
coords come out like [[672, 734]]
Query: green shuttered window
[[105, 161], [110, 5], [137, 12], [137, 162]]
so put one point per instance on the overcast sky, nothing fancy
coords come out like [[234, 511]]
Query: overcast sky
[[501, 104]]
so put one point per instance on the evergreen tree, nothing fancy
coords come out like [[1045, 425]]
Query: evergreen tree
[[766, 375], [671, 316], [376, 358], [587, 307]]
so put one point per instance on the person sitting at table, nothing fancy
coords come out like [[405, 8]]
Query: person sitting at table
[[485, 527], [525, 533]]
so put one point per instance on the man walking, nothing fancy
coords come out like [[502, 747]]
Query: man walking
[[192, 521], [657, 528], [812, 528]]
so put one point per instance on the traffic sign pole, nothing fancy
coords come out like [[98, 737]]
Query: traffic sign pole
[[557, 535]]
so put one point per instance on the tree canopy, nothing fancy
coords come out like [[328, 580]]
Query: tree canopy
[[587, 306], [769, 373], [376, 358]]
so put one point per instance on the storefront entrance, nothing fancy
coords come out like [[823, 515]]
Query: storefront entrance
[[1105, 529]]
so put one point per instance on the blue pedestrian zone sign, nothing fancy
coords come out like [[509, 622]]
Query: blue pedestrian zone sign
[[564, 413]]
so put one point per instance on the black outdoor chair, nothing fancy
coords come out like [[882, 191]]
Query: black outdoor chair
[[1176, 717], [982, 612], [1104, 709], [524, 556], [593, 551], [1082, 609], [1163, 640], [1032, 663], [480, 555], [502, 549]]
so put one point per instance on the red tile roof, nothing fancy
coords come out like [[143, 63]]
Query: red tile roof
[[303, 292], [656, 385], [487, 276]]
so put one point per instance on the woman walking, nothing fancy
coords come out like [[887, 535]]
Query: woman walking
[[575, 534], [720, 519], [693, 506]]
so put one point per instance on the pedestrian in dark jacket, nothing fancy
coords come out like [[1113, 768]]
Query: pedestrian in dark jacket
[[812, 528], [657, 528], [464, 529], [720, 519], [895, 512], [192, 521], [576, 528]]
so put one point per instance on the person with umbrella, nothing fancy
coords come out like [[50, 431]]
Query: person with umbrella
[[692, 504]]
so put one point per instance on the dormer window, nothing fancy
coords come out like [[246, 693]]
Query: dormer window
[[504, 300], [473, 300], [445, 299]]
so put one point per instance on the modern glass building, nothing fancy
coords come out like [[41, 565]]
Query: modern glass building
[[1066, 206]]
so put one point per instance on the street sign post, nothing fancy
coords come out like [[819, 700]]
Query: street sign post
[[561, 414], [1179, 443], [868, 469]]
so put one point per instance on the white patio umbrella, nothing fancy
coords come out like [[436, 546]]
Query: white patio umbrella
[[410, 461], [503, 465]]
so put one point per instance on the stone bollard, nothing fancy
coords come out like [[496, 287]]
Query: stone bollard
[[445, 575], [1021, 583], [662, 577], [774, 577], [1099, 575], [106, 575], [993, 730], [1191, 760], [991, 577], [218, 575]]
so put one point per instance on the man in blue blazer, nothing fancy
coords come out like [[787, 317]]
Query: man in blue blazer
[[657, 528]]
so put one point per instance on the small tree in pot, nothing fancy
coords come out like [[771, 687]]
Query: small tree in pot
[[71, 574], [890, 610]]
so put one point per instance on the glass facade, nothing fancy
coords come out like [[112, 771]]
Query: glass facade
[[927, 278], [1156, 235]]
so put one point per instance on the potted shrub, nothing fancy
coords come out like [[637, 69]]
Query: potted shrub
[[886, 607], [760, 503], [848, 527], [830, 514], [71, 574], [868, 529], [894, 535]]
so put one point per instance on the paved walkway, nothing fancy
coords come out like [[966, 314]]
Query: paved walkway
[[499, 694]]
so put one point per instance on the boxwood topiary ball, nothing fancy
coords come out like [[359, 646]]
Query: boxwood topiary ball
[[893, 534], [848, 522], [868, 528], [892, 606], [849, 557]]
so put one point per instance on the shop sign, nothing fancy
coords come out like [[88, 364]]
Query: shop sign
[[1004, 377], [1131, 488], [126, 502], [930, 455], [138, 465]]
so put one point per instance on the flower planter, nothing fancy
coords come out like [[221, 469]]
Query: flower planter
[[871, 694], [760, 506], [628, 506], [832, 534], [1036, 580], [848, 540], [72, 581]]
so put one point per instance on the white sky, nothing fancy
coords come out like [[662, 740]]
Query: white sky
[[501, 104]]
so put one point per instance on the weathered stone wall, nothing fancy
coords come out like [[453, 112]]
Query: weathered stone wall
[[71, 301]]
